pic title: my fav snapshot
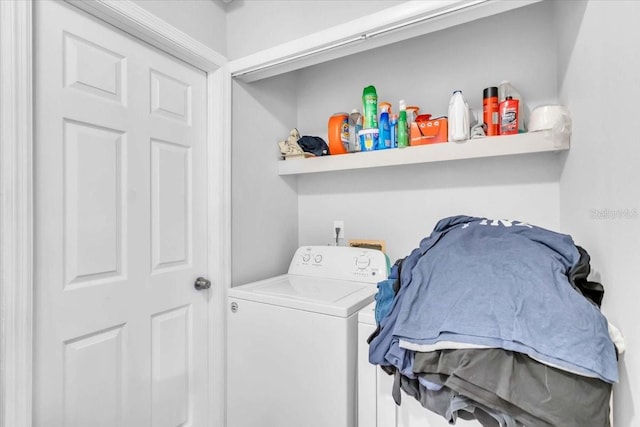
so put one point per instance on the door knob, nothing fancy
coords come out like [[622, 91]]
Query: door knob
[[201, 284]]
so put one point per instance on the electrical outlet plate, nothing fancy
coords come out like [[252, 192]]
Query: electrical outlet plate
[[336, 224]]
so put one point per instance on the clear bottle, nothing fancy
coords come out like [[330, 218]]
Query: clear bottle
[[458, 117], [412, 113]]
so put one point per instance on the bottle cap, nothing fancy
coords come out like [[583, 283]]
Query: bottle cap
[[385, 106], [403, 105], [490, 92], [369, 90]]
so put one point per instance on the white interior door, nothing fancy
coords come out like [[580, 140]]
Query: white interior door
[[120, 206]]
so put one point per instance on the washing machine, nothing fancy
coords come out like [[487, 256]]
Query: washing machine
[[292, 340]]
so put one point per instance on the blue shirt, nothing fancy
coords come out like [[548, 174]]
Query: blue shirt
[[502, 284]]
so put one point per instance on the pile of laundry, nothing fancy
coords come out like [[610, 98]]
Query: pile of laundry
[[497, 321]]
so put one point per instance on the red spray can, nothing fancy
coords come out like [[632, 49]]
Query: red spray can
[[490, 111], [509, 116]]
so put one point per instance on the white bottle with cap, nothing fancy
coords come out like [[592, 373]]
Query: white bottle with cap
[[458, 118]]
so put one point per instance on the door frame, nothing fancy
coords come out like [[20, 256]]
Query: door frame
[[17, 194]]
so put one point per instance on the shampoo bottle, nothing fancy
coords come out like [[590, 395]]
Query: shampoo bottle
[[370, 107], [384, 139]]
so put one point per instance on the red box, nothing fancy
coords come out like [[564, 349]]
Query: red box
[[429, 131]]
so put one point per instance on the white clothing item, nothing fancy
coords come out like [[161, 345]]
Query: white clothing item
[[440, 345], [617, 338]]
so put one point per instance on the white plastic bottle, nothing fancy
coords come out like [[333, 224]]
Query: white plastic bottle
[[458, 117], [506, 89]]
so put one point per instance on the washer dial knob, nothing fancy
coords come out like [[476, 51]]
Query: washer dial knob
[[363, 262]]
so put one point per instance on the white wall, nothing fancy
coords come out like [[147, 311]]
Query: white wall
[[402, 204], [599, 65], [264, 206], [204, 20], [254, 25]]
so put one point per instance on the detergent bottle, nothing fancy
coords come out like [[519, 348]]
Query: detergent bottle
[[338, 132], [384, 138]]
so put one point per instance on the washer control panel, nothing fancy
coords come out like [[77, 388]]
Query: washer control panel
[[340, 262]]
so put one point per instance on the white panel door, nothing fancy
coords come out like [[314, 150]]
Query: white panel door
[[120, 155]]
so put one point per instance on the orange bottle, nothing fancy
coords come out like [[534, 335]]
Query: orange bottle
[[338, 133], [490, 111], [509, 116]]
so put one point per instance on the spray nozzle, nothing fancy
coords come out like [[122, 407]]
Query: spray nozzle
[[385, 107]]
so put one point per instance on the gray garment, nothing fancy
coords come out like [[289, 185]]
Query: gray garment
[[487, 417], [435, 401], [533, 393], [449, 404], [489, 399]]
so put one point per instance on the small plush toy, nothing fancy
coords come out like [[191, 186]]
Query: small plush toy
[[290, 147]]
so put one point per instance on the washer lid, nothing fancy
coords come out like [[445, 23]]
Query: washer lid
[[327, 296]]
